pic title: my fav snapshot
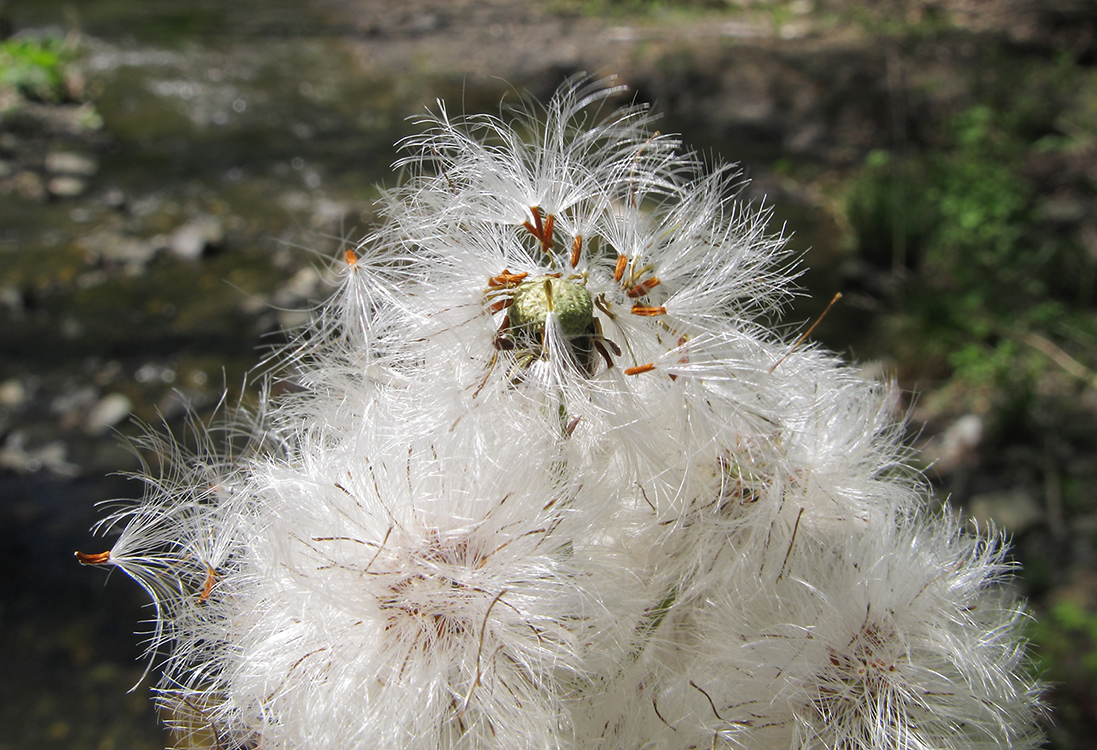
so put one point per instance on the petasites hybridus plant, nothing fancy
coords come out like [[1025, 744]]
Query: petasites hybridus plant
[[548, 481]]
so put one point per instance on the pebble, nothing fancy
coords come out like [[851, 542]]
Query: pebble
[[73, 405], [292, 320], [66, 186], [29, 186], [113, 247], [69, 163], [174, 404], [302, 287], [109, 411], [12, 393], [12, 299], [195, 238], [15, 456], [1013, 510], [957, 446], [114, 198]]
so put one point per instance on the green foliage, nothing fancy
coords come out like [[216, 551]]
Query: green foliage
[[35, 67], [978, 274], [890, 210], [981, 205], [1066, 643]]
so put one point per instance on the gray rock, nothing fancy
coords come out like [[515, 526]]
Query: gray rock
[[958, 446], [73, 405], [12, 393], [1013, 510], [112, 247], [29, 186], [16, 456], [12, 299], [299, 289], [192, 240], [114, 198], [68, 163], [109, 411], [175, 403], [66, 186]]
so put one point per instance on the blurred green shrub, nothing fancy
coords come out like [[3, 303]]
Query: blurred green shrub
[[978, 273], [1065, 647], [35, 67]]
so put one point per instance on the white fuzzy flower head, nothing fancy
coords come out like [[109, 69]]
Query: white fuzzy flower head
[[902, 638], [549, 481]]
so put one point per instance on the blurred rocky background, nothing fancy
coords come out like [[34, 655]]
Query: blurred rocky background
[[177, 175]]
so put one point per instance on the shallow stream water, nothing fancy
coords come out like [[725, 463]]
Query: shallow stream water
[[247, 121]]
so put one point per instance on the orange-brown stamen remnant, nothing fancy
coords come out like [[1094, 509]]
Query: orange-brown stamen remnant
[[98, 558], [542, 231], [643, 287], [207, 587], [546, 241], [352, 258], [536, 211], [642, 368], [501, 305], [576, 248], [619, 269], [506, 278], [648, 312]]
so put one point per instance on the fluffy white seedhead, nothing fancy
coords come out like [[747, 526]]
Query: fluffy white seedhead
[[420, 602], [902, 638], [549, 481]]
